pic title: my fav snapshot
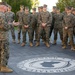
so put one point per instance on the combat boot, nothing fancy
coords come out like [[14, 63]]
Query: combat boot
[[31, 44], [54, 43], [64, 47], [44, 41], [62, 43], [35, 40], [69, 43], [37, 44], [18, 41], [47, 45], [73, 49], [6, 69], [23, 44], [13, 41]]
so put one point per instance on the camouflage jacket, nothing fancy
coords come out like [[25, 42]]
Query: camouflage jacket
[[68, 21], [53, 20], [64, 13], [38, 13], [19, 15], [26, 19], [58, 20], [34, 20], [45, 17], [10, 16], [3, 27]]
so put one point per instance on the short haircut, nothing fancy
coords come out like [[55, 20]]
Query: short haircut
[[27, 8], [34, 9], [58, 8], [54, 7], [22, 6], [68, 8], [9, 7], [44, 6]]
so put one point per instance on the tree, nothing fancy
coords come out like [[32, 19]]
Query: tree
[[16, 4], [35, 3], [63, 3]]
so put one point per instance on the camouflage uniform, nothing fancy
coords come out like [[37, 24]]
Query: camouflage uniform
[[19, 17], [26, 20], [44, 17], [74, 28], [68, 21], [52, 24], [43, 36], [34, 25], [74, 25], [64, 13], [58, 26], [4, 44], [10, 16]]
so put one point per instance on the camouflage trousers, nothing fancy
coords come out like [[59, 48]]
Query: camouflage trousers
[[19, 32], [46, 29], [43, 35], [24, 32], [74, 31], [34, 33], [4, 52], [12, 32], [68, 34], [56, 30], [51, 30]]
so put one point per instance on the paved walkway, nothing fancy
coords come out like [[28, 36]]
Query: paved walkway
[[41, 60]]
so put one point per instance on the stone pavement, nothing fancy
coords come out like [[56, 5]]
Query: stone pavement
[[41, 60]]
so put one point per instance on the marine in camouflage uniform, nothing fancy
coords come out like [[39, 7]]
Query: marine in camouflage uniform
[[65, 13], [26, 27], [34, 24], [73, 12], [10, 16], [43, 34], [68, 24], [53, 20], [44, 21], [58, 26], [4, 44], [19, 17]]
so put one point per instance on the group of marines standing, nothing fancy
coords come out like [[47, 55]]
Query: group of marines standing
[[38, 25], [41, 24]]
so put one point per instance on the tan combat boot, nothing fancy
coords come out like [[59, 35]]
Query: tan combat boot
[[14, 41], [47, 44], [69, 43], [62, 43], [54, 43], [6, 69], [37, 44], [73, 49], [18, 41], [31, 44], [23, 44], [64, 47], [43, 41]]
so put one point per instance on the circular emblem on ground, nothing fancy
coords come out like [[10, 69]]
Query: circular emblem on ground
[[48, 65]]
